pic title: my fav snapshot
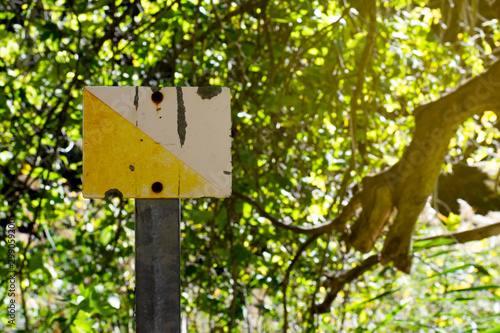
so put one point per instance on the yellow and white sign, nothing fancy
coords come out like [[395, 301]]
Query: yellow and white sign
[[141, 142]]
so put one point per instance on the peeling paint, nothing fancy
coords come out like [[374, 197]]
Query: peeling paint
[[113, 192], [208, 92], [155, 89], [131, 167], [136, 98], [181, 116]]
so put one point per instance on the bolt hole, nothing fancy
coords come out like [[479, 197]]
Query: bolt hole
[[157, 97], [157, 187]]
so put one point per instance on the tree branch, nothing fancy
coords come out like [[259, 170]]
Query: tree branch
[[413, 178], [336, 284], [336, 224], [461, 237], [358, 91]]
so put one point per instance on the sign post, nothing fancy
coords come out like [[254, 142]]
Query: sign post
[[157, 145], [158, 265]]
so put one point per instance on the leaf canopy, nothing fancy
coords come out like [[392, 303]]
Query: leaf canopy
[[323, 95]]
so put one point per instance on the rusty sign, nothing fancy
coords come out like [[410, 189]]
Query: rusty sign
[[142, 142]]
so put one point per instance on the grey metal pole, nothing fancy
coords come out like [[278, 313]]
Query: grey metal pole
[[157, 264]]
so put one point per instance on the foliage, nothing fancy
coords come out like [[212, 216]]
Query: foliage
[[323, 94]]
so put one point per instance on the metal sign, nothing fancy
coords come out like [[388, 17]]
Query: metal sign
[[142, 142]]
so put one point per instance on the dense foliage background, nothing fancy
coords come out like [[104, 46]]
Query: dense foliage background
[[323, 94]]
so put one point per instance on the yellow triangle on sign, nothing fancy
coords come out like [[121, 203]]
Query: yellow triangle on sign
[[121, 159]]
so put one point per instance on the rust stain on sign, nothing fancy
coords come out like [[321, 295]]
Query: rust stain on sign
[[157, 98]]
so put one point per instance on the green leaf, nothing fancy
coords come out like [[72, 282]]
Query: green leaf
[[432, 243], [240, 253], [36, 261], [106, 235], [477, 288]]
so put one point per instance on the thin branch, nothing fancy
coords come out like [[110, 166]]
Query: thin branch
[[346, 178], [336, 284], [336, 224], [118, 220], [284, 283], [360, 81], [301, 249], [312, 324], [231, 221], [72, 320], [461, 237]]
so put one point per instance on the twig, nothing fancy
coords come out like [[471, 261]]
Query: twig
[[358, 91], [461, 237], [284, 283], [337, 224], [336, 284]]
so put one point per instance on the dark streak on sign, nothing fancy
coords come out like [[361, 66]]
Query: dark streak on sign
[[136, 98], [113, 192], [208, 92], [131, 167], [181, 116], [227, 172]]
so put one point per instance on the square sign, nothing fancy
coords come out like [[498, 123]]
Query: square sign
[[142, 142]]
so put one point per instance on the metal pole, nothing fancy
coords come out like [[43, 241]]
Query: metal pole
[[157, 264]]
